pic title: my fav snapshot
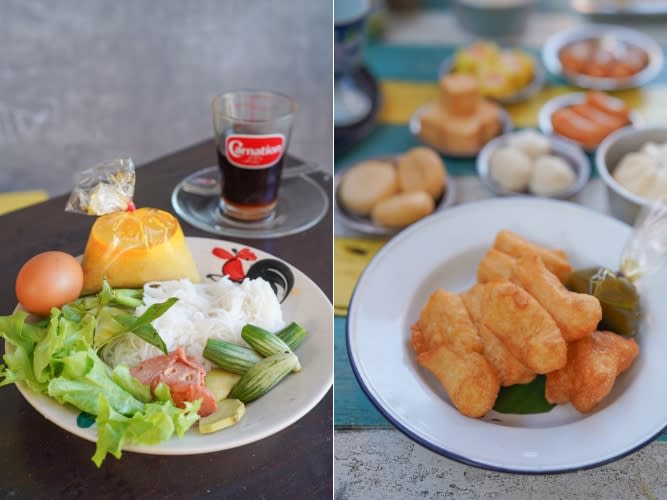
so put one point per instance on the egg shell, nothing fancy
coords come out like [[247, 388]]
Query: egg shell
[[47, 280]]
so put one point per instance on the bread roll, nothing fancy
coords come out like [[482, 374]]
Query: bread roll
[[421, 169], [366, 184], [403, 209]]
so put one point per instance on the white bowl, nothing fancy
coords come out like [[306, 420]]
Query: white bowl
[[623, 204], [560, 40], [562, 101]]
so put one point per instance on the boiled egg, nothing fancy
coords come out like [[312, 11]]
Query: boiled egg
[[49, 279]]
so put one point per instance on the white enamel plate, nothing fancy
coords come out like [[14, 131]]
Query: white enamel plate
[[295, 396], [443, 251]]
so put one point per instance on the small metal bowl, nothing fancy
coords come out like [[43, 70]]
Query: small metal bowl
[[415, 126], [562, 101], [560, 40], [365, 224], [571, 153], [523, 94], [624, 204]]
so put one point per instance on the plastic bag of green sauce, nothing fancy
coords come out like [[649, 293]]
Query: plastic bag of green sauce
[[643, 256], [617, 295]]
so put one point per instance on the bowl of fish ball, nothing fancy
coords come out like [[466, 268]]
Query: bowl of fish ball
[[586, 118], [603, 57], [528, 162], [382, 195], [632, 162]]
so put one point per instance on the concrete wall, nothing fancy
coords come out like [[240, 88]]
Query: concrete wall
[[84, 81]]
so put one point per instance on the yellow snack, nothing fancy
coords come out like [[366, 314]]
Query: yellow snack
[[471, 58], [459, 94], [499, 73], [403, 209], [130, 248], [494, 82], [422, 169]]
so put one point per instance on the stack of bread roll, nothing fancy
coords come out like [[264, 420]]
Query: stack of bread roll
[[460, 121], [395, 193]]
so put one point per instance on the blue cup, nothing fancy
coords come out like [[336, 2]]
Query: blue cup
[[349, 37], [351, 104]]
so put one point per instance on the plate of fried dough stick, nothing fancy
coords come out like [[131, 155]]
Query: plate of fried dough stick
[[500, 334]]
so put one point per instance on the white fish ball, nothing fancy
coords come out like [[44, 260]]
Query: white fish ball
[[530, 142], [511, 168], [552, 175]]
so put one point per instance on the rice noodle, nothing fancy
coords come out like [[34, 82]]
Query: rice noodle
[[219, 310]]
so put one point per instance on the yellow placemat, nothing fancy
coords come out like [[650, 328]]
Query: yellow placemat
[[401, 99], [13, 201], [351, 256]]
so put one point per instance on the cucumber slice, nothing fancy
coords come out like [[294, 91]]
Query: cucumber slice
[[229, 412], [220, 382]]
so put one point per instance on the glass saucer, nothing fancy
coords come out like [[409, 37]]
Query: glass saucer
[[301, 205]]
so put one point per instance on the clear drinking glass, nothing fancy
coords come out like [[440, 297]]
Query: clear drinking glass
[[252, 131]]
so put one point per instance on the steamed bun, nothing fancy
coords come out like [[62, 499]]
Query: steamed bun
[[659, 191], [511, 168], [637, 173], [552, 175], [656, 151]]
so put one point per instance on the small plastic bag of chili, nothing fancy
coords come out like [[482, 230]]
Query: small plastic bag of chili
[[105, 188], [127, 247]]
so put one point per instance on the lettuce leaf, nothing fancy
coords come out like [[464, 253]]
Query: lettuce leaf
[[121, 375], [156, 423], [18, 365], [84, 378], [57, 357]]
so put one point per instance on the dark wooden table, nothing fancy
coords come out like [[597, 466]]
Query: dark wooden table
[[40, 460]]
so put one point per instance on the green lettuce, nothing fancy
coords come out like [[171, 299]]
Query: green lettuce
[[57, 357]]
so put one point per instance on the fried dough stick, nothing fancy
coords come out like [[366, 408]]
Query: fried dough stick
[[444, 319], [523, 326], [469, 380], [593, 363], [448, 345], [495, 265], [510, 370], [576, 314], [514, 245]]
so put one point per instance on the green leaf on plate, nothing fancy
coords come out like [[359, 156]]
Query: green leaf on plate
[[142, 327], [523, 399]]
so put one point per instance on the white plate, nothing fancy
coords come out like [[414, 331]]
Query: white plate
[[443, 251], [295, 396]]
